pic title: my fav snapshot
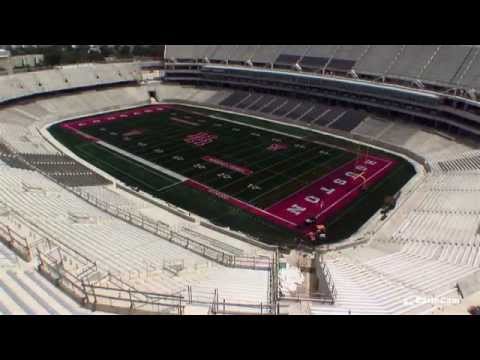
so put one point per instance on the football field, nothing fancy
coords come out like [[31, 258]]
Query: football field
[[262, 178]]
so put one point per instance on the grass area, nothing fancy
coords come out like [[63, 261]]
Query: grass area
[[181, 137]]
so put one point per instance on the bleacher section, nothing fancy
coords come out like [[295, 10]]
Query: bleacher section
[[423, 249], [29, 293], [183, 52], [266, 54], [449, 65], [64, 169], [446, 63], [468, 162], [348, 121], [21, 124], [435, 231], [431, 146], [428, 247], [223, 52], [36, 207], [23, 291], [412, 61], [371, 127], [72, 76], [118, 247], [300, 110], [295, 110]]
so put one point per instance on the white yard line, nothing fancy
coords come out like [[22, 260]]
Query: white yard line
[[168, 186], [143, 161], [248, 205], [268, 169], [109, 165], [290, 179], [177, 176], [255, 127]]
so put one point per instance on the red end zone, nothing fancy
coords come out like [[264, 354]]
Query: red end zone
[[320, 199], [115, 116], [333, 192]]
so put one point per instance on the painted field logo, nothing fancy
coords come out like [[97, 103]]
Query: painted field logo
[[277, 147], [200, 139], [228, 165], [134, 132]]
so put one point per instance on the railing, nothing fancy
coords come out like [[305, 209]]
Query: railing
[[81, 279], [15, 242], [156, 228], [217, 307], [54, 270], [328, 278], [163, 230], [107, 292], [273, 283], [163, 204], [112, 294]]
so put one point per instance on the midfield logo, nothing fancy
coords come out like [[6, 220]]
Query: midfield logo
[[200, 139]]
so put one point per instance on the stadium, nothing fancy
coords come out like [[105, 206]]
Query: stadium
[[243, 180]]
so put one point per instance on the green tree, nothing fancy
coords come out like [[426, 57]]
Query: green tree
[[106, 51], [124, 51]]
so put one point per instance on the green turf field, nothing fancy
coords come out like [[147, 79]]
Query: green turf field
[[260, 164]]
